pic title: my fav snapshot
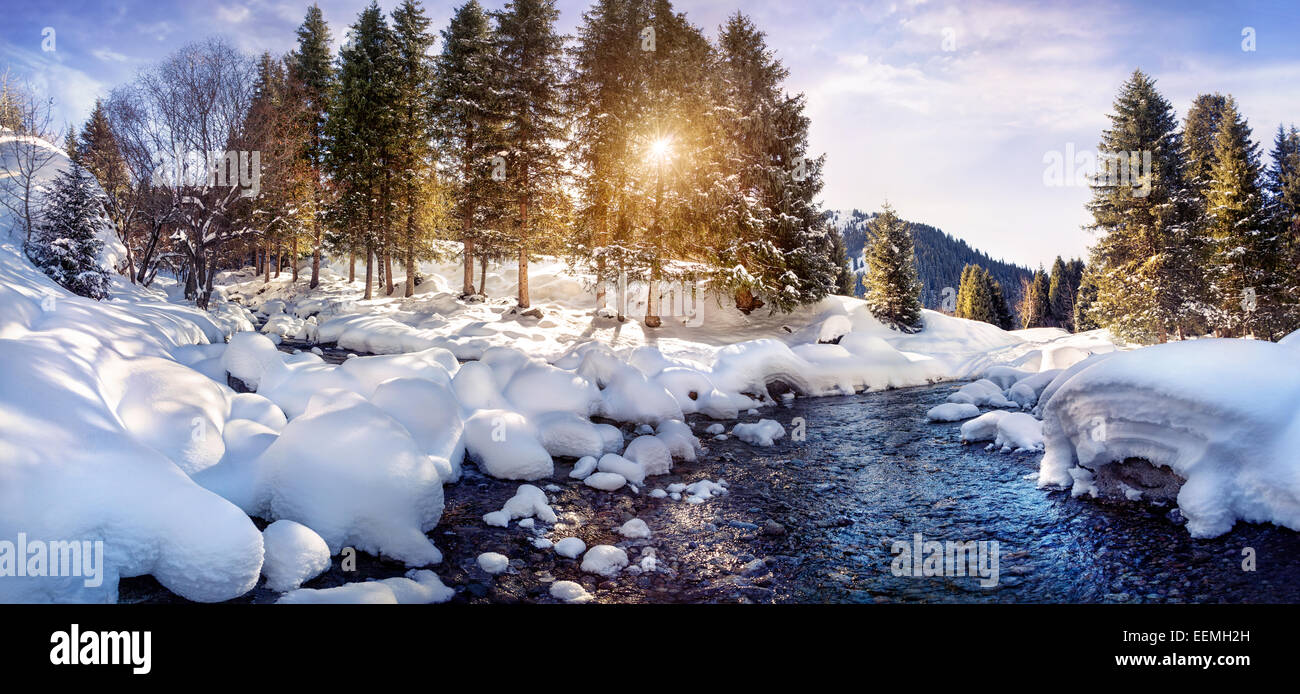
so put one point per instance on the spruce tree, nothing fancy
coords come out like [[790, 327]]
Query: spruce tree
[[1283, 211], [530, 64], [1247, 253], [313, 73], [1038, 303], [362, 138], [603, 94], [1083, 317], [892, 288], [65, 244], [786, 252], [467, 91], [99, 152], [414, 108], [1143, 271], [1001, 307]]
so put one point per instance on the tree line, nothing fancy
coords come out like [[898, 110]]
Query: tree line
[[639, 150], [1207, 241]]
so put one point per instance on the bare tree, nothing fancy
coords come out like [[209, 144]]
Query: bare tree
[[185, 116], [26, 137]]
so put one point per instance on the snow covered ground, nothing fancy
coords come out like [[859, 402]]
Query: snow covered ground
[[117, 423]]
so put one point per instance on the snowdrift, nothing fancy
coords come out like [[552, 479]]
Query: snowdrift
[[1222, 414]]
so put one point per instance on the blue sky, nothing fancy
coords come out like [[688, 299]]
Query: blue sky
[[945, 108]]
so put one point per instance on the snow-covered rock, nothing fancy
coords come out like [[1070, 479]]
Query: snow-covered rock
[[294, 555], [952, 412], [764, 432], [605, 560], [1220, 413]]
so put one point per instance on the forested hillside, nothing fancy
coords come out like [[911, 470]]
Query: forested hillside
[[940, 258]]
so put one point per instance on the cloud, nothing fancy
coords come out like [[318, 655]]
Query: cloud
[[233, 14], [109, 56]]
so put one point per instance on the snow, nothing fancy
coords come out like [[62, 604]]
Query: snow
[[505, 445], [359, 593], [606, 481], [294, 555], [635, 529], [493, 562], [528, 502], [605, 560], [1221, 413], [570, 592], [613, 463], [418, 587], [570, 547], [584, 467], [117, 424], [371, 487], [983, 392], [764, 432], [952, 412]]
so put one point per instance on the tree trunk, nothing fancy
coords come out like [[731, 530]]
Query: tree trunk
[[266, 263], [467, 287], [523, 255], [410, 253], [293, 258], [482, 283], [352, 265], [315, 256], [652, 301], [746, 301], [279, 258], [388, 273], [370, 271], [600, 283]]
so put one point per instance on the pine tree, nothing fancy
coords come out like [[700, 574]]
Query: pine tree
[[313, 73], [1038, 303], [70, 143], [414, 131], [1083, 303], [98, 151], [892, 289], [1247, 253], [467, 89], [1283, 211], [362, 135], [1142, 268], [777, 237], [1002, 308], [844, 274], [530, 63], [600, 97], [1063, 290], [65, 244]]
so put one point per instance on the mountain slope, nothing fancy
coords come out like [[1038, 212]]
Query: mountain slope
[[939, 258]]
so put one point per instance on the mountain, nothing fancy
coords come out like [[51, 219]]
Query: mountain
[[939, 258]]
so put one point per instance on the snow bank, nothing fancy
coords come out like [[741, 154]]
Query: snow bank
[[605, 560], [1220, 413], [764, 432], [354, 475], [294, 555], [951, 412]]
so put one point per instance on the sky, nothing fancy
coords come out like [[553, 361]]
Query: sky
[[949, 110]]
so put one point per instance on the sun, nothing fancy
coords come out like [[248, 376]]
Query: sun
[[661, 148]]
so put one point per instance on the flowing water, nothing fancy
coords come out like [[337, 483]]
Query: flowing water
[[816, 521]]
